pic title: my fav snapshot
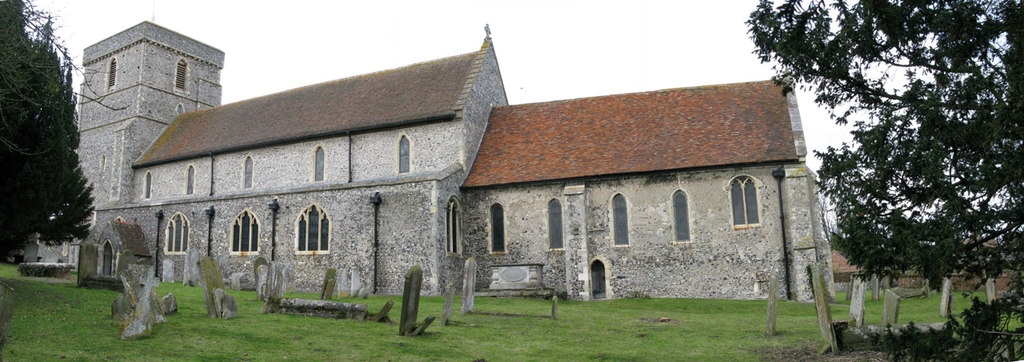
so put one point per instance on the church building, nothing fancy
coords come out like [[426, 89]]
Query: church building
[[695, 192]]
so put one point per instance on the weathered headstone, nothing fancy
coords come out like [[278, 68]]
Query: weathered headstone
[[876, 294], [554, 306], [449, 298], [211, 280], [990, 289], [824, 312], [227, 307], [327, 289], [773, 303], [287, 276], [7, 311], [382, 316], [323, 308], [946, 304], [88, 259], [138, 289], [120, 307], [849, 288], [167, 271], [363, 293], [468, 285], [344, 285], [256, 267], [190, 270], [124, 259], [355, 285], [274, 287], [169, 304], [891, 308], [410, 301], [857, 303], [262, 273], [236, 280]]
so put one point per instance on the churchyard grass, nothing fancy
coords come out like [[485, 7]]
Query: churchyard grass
[[59, 321]]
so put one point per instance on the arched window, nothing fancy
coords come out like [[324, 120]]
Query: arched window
[[247, 176], [148, 188], [403, 155], [108, 258], [314, 230], [555, 224], [318, 164], [454, 226], [245, 233], [497, 229], [743, 192], [681, 216], [620, 220], [190, 180], [179, 75], [177, 234], [112, 74]]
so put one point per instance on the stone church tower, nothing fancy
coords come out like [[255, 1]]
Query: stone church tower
[[136, 82]]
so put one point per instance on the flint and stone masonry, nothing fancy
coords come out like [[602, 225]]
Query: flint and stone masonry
[[417, 165]]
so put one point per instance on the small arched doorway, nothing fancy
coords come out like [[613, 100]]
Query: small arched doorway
[[108, 258], [597, 280]]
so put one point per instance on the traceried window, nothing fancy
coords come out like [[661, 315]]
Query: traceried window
[[190, 180], [454, 226], [247, 176], [743, 193], [177, 234], [555, 224], [179, 75], [148, 187], [403, 155], [314, 229], [497, 229], [318, 164], [681, 216], [245, 233], [112, 74], [620, 220]]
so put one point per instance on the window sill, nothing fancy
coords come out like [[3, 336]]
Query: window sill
[[745, 226], [244, 253], [174, 253], [314, 252]]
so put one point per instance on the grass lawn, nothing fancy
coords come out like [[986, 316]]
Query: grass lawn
[[59, 321]]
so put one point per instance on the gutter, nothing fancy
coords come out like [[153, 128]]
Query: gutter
[[779, 174]]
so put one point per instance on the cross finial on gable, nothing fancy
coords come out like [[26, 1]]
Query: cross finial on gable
[[487, 29]]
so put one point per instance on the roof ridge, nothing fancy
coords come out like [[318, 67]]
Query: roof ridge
[[688, 88]]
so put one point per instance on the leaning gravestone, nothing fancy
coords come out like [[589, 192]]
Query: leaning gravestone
[[138, 289], [410, 301], [7, 311], [327, 289], [124, 259], [227, 307], [946, 304], [190, 271], [262, 273], [288, 276], [88, 258], [824, 312], [468, 285], [167, 271], [211, 280], [256, 267], [773, 303], [169, 304], [363, 293], [857, 303], [119, 307], [274, 287], [449, 298], [891, 308]]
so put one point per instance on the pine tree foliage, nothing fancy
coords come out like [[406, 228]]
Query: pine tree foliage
[[43, 190], [933, 180]]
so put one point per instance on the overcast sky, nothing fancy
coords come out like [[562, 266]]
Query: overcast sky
[[547, 50]]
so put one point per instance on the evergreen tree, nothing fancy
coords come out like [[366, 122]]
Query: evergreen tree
[[42, 187], [933, 181]]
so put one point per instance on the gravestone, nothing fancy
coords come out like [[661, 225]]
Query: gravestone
[[7, 311], [323, 309], [382, 316], [88, 259], [857, 303], [226, 306], [354, 286], [824, 312], [169, 304], [773, 303], [256, 267], [946, 304], [449, 298], [554, 306], [167, 271], [990, 289], [410, 301], [119, 307], [124, 259], [344, 284], [287, 277], [875, 293], [327, 289], [236, 280], [468, 285], [363, 293], [261, 282], [891, 308], [190, 270], [138, 289], [210, 280], [274, 287]]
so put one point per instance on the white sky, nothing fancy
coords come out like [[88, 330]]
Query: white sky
[[547, 50]]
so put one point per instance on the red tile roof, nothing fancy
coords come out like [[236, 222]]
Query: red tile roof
[[132, 238], [640, 132], [418, 92]]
